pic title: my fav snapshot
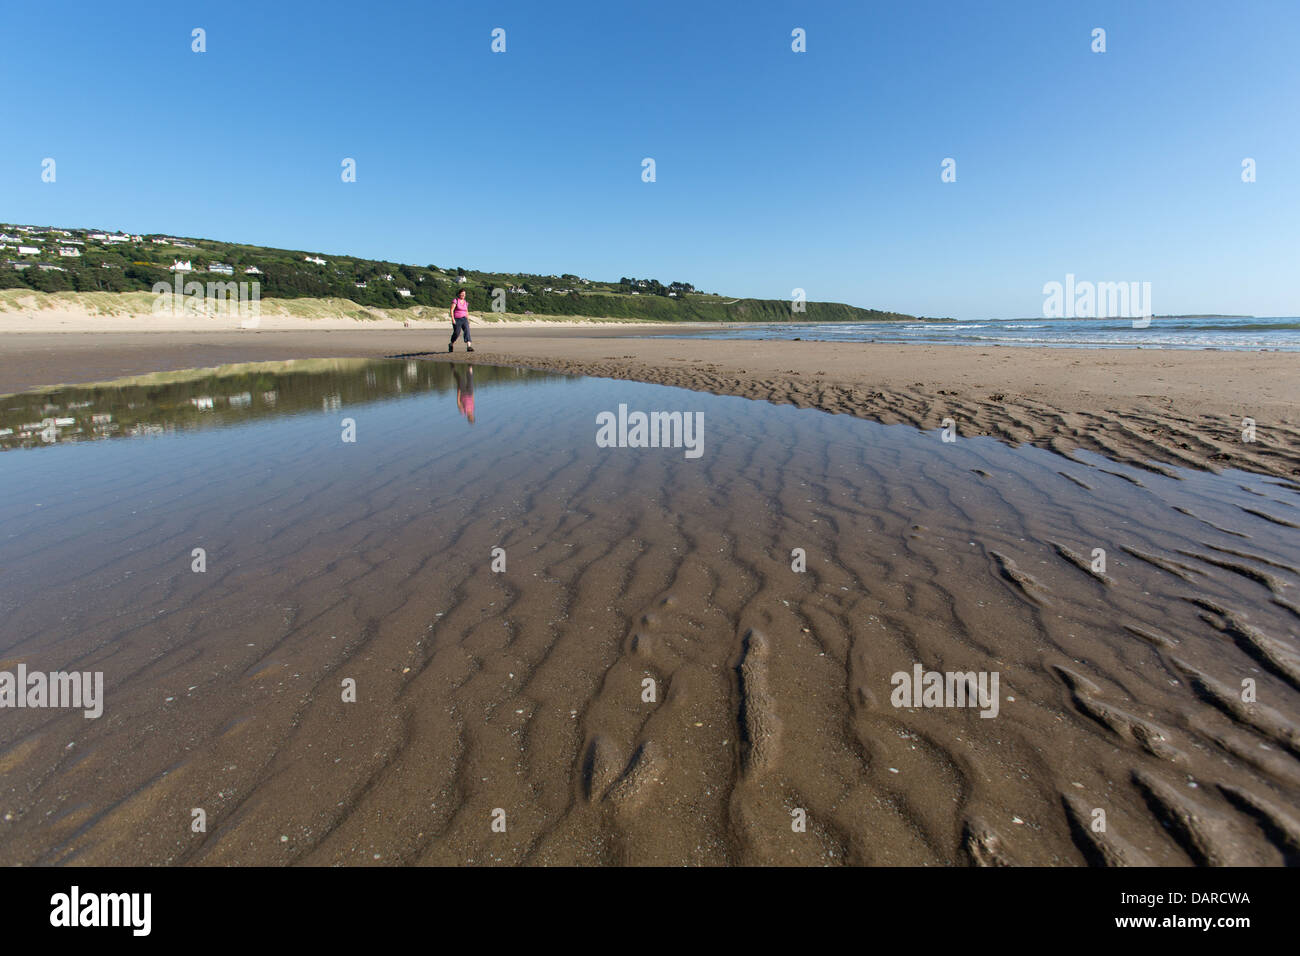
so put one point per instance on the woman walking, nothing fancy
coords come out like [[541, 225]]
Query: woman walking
[[460, 321]]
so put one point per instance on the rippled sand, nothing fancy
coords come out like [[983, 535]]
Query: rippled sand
[[524, 691]]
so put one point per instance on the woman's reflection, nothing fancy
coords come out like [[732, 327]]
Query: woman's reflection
[[465, 390]]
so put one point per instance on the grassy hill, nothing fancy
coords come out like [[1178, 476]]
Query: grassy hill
[[116, 263]]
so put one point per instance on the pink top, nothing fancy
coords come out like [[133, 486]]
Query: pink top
[[461, 308]]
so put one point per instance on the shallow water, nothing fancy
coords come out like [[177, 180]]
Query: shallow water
[[1177, 332], [523, 689]]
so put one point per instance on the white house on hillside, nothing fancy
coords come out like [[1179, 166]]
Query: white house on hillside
[[69, 252], [316, 259], [28, 251], [252, 271], [222, 268], [182, 265]]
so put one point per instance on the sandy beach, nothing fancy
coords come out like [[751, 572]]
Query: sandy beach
[[878, 449], [522, 694]]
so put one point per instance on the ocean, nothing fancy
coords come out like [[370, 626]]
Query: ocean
[[1200, 332]]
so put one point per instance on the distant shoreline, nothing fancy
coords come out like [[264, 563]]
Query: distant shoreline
[[25, 310], [28, 310]]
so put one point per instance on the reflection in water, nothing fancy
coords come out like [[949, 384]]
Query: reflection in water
[[230, 395], [465, 391]]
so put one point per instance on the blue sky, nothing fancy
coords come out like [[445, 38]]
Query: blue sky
[[775, 170]]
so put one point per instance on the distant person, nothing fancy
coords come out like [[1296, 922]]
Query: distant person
[[460, 321], [465, 390]]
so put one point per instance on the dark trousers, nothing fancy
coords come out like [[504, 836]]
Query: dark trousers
[[460, 327]]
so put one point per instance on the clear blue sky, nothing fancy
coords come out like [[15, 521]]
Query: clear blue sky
[[775, 170]]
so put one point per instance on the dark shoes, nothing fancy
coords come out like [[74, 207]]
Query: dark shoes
[[469, 348], [451, 348]]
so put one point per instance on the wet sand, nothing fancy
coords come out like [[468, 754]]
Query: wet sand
[[524, 691], [1149, 407]]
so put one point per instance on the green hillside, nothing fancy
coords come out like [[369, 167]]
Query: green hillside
[[89, 260]]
